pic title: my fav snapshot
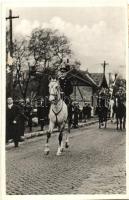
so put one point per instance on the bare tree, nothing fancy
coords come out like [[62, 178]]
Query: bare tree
[[22, 68], [45, 48], [48, 47]]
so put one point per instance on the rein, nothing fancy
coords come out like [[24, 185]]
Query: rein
[[56, 101], [56, 114]]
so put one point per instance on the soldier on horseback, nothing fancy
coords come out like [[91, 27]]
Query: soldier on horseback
[[120, 105], [65, 83], [103, 106], [66, 87]]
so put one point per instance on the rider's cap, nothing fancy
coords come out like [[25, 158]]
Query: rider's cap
[[63, 69]]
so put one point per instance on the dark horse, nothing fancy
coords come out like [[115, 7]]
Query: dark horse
[[120, 113], [102, 114], [102, 110]]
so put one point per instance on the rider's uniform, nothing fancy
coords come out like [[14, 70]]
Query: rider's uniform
[[66, 88], [65, 84]]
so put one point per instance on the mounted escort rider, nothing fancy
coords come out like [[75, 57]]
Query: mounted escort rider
[[66, 87], [103, 107]]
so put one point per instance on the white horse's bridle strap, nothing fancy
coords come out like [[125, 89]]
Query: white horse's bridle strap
[[56, 114]]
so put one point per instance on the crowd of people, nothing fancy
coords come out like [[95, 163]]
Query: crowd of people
[[21, 115]]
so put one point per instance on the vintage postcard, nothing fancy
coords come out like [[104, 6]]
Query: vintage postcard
[[64, 94]]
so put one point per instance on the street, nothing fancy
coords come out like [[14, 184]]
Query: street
[[93, 164]]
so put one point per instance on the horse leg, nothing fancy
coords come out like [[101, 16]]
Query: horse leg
[[67, 141], [111, 116], [60, 147], [124, 122], [106, 117], [121, 124], [99, 120], [60, 138], [66, 135], [47, 149], [117, 122]]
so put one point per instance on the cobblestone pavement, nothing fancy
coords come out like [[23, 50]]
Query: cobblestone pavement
[[94, 164]]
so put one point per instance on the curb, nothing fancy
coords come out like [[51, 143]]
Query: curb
[[41, 133]]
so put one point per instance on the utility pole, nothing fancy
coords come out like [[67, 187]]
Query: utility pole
[[11, 30], [109, 79], [10, 18], [104, 66]]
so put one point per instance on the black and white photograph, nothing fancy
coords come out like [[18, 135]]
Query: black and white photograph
[[65, 100]]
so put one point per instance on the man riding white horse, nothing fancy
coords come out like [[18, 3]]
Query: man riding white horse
[[58, 114]]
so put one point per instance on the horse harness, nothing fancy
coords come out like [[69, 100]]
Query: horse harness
[[56, 114]]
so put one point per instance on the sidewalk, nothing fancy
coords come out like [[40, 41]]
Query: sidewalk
[[41, 133]]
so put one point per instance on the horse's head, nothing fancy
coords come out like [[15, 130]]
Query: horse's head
[[54, 90]]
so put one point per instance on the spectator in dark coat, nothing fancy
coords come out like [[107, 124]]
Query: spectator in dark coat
[[22, 119], [70, 112], [80, 113], [41, 112], [85, 111], [47, 108], [89, 111], [12, 122], [76, 113]]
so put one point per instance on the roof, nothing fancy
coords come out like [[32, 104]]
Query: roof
[[82, 78], [100, 79], [97, 77], [104, 83]]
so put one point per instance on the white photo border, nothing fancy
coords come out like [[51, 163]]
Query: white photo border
[[57, 3]]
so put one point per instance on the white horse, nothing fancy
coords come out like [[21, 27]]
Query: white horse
[[58, 115]]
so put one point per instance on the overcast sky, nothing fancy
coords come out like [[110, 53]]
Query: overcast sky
[[96, 33]]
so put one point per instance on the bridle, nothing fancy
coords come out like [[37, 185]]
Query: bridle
[[56, 114], [56, 102], [55, 95]]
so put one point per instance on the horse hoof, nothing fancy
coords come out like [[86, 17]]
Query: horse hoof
[[62, 150], [58, 153], [66, 145], [46, 152]]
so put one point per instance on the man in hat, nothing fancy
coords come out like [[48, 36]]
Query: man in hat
[[28, 113], [12, 122], [22, 119], [41, 112], [65, 83], [76, 113], [85, 112], [66, 88]]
